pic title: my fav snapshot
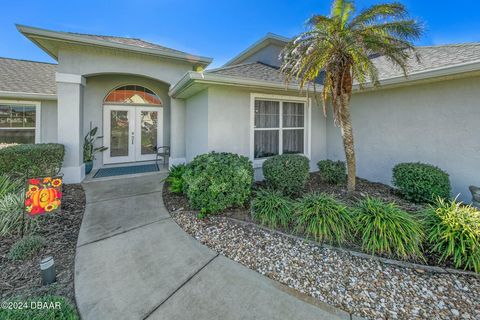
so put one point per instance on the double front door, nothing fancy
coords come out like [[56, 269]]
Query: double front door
[[131, 133]]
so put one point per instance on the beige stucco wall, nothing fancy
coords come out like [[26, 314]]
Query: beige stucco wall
[[436, 123], [96, 89]]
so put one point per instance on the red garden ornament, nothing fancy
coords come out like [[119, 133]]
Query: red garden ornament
[[43, 195]]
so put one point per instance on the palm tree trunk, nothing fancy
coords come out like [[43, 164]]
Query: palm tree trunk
[[347, 136]]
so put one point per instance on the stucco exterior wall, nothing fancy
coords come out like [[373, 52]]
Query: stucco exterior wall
[[48, 118], [228, 124], [196, 125], [96, 89], [436, 123]]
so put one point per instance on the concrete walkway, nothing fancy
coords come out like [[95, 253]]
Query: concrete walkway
[[134, 262]]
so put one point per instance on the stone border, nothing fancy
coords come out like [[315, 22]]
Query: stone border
[[398, 263]]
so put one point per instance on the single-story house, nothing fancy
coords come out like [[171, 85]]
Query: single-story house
[[141, 95]]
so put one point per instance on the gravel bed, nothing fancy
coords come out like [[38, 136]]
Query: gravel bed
[[364, 287]]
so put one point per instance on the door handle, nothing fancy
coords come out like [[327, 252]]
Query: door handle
[[133, 135]]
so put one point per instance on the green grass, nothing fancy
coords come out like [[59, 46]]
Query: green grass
[[271, 208], [388, 230], [453, 231], [323, 218], [35, 309], [26, 247]]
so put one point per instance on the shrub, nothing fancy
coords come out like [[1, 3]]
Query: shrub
[[65, 311], [322, 217], [9, 185], [217, 181], [37, 159], [26, 247], [419, 182], [175, 178], [287, 173], [453, 231], [332, 171], [271, 208], [388, 230], [11, 215]]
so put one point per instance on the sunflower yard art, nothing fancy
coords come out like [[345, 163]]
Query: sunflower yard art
[[43, 195]]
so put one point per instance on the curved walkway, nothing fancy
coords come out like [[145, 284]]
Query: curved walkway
[[134, 262]]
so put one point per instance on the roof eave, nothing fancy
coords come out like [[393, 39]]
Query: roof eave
[[28, 95], [33, 33], [191, 78], [263, 42]]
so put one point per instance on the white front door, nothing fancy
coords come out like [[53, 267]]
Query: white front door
[[131, 133]]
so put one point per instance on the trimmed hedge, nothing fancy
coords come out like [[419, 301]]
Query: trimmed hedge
[[333, 172], [217, 181], [38, 159], [420, 182], [287, 173]]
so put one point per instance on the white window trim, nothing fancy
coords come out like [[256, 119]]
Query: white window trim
[[257, 163], [38, 117]]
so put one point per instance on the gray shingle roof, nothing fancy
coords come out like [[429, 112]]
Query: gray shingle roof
[[27, 76], [432, 57], [136, 42], [252, 70]]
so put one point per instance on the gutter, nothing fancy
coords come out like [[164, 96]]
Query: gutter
[[28, 95], [57, 35], [192, 77]]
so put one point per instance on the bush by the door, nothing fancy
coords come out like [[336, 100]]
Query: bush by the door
[[287, 173], [333, 172], [217, 181], [34, 159], [420, 182]]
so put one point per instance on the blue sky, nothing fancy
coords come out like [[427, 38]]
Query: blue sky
[[218, 29]]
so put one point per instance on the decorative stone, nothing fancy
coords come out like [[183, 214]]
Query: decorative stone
[[475, 195]]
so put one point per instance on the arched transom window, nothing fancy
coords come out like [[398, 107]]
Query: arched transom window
[[132, 94]]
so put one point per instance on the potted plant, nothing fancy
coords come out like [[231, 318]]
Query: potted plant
[[89, 149]]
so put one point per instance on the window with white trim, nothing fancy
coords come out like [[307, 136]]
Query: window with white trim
[[19, 122], [279, 127]]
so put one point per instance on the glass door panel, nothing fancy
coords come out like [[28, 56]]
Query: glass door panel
[[119, 134], [149, 133]]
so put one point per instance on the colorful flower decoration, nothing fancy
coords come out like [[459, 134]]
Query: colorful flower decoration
[[43, 195]]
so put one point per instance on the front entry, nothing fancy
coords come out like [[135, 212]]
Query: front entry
[[131, 133]]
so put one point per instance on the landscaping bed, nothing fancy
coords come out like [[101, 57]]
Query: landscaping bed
[[363, 286], [60, 231]]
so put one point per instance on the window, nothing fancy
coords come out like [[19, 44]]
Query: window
[[279, 126], [132, 94], [19, 122]]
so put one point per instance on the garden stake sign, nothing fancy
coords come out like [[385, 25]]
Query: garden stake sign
[[42, 195]]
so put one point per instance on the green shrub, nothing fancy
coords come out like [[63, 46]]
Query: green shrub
[[271, 208], [11, 212], [287, 173], [322, 217], [333, 172], [420, 182], [175, 178], [386, 229], [26, 247], [453, 231], [36, 159], [9, 185], [217, 181], [61, 309]]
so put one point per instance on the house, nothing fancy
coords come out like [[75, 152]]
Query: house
[[142, 95]]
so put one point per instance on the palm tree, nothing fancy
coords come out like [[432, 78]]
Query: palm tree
[[338, 49]]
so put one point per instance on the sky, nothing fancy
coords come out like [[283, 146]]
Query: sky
[[218, 28]]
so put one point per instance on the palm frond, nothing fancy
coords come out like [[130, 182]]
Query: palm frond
[[378, 12]]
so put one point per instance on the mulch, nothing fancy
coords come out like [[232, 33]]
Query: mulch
[[60, 230]]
